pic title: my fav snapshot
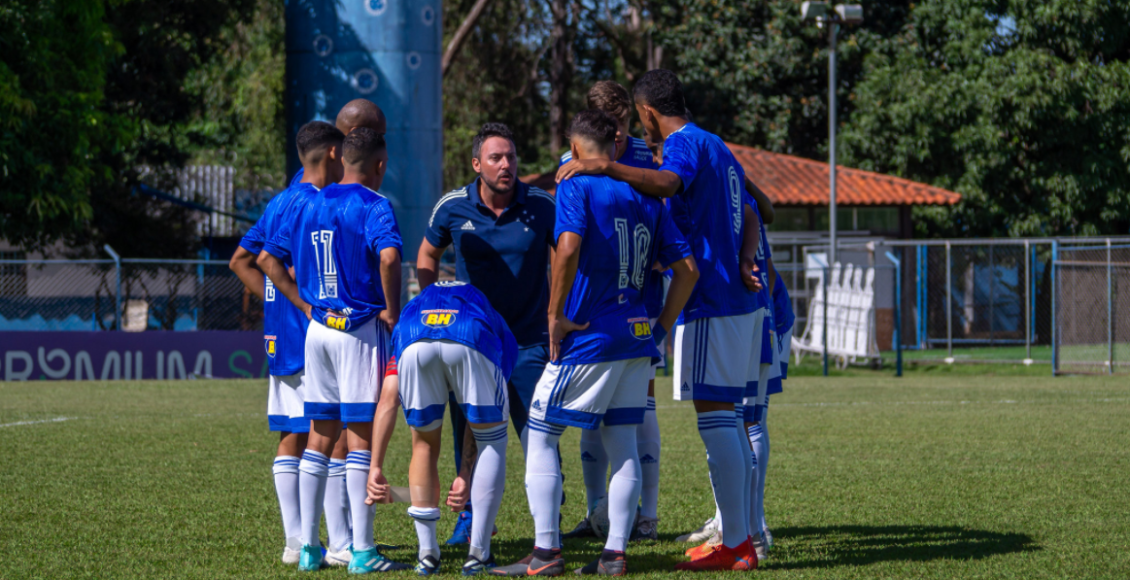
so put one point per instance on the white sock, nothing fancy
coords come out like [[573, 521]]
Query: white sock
[[724, 452], [756, 434], [314, 469], [624, 487], [647, 442], [487, 486], [286, 488], [764, 459], [748, 466], [337, 515], [356, 478], [543, 482], [426, 519], [594, 466]]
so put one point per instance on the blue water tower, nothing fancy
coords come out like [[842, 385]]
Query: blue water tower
[[387, 51]]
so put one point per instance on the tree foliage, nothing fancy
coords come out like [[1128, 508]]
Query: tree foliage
[[1023, 106]]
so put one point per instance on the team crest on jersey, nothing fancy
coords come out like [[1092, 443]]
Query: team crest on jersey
[[641, 328], [438, 318], [337, 321], [269, 344]]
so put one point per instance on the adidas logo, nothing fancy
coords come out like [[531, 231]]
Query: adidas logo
[[537, 404], [586, 456], [647, 458], [468, 226], [686, 387]]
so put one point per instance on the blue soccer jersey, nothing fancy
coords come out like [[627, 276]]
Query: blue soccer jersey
[[335, 241], [284, 325], [708, 211], [623, 233], [638, 155], [783, 315], [458, 312]]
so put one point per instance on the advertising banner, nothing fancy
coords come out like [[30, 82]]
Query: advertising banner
[[109, 356]]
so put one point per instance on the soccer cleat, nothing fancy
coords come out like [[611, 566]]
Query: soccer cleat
[[740, 557], [341, 557], [583, 530], [760, 547], [474, 566], [552, 566], [645, 529], [615, 566], [427, 566], [704, 548], [371, 560], [462, 532], [519, 568], [702, 534], [310, 558], [290, 556], [768, 537]]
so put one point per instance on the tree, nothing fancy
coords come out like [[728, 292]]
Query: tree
[[756, 74], [1022, 106]]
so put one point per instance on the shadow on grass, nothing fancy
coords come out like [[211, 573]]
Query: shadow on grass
[[833, 546]]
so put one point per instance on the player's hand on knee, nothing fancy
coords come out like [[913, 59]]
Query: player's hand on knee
[[459, 493], [378, 488]]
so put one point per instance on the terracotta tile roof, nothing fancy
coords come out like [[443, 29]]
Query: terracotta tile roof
[[789, 180], [792, 181]]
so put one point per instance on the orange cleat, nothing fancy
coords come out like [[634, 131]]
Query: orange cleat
[[703, 548], [719, 557]]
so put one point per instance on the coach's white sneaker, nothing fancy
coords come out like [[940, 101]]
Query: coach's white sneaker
[[702, 534], [341, 557], [292, 551]]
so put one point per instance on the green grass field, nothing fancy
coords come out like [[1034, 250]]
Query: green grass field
[[935, 475]]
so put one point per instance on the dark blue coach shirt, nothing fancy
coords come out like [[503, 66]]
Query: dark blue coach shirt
[[506, 258]]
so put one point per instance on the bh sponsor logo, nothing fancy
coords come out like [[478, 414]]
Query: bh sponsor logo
[[438, 318], [641, 328], [269, 344]]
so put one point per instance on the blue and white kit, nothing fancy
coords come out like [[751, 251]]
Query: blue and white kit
[[449, 339], [603, 370], [335, 241], [722, 323], [284, 325]]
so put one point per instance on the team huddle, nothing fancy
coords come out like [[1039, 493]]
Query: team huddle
[[644, 241]]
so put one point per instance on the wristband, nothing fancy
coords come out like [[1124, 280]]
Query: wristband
[[658, 333]]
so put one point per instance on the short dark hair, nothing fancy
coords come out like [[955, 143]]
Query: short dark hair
[[486, 132], [612, 98], [315, 138], [661, 90], [361, 145], [594, 125]]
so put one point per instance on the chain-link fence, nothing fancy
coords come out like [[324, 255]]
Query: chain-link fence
[[1091, 308]]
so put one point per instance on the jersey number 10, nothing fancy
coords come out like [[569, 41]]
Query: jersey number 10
[[327, 272], [635, 246]]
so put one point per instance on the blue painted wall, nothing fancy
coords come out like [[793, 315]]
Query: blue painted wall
[[387, 51]]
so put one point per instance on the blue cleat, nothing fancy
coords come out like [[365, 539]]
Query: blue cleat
[[462, 532], [371, 560], [310, 558], [427, 566], [474, 566]]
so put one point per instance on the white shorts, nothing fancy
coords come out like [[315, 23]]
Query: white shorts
[[429, 369], [285, 396], [582, 395], [717, 359], [344, 370], [768, 375], [662, 346]]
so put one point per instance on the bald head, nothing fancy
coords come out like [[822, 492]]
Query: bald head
[[361, 113]]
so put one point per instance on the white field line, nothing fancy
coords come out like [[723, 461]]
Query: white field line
[[20, 423], [901, 403]]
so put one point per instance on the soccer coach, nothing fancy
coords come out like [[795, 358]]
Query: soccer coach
[[502, 231]]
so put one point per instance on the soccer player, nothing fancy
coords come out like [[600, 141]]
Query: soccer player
[[452, 341], [716, 358], [502, 232], [612, 98], [284, 325], [356, 113], [345, 245], [601, 342], [783, 318]]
